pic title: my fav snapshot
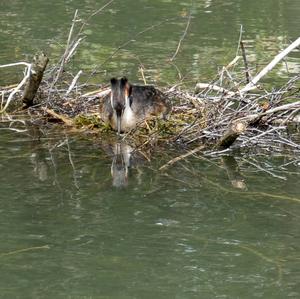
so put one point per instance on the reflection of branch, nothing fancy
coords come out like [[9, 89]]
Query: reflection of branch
[[265, 258], [252, 194], [182, 37], [92, 15], [72, 163], [233, 172], [265, 170], [25, 250], [173, 161], [56, 182], [131, 40]]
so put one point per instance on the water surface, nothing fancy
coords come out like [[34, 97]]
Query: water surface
[[148, 33], [77, 221], [203, 229]]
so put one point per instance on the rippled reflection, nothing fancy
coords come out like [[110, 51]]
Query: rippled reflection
[[85, 218]]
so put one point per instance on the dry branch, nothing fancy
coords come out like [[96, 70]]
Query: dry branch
[[233, 132], [19, 86], [66, 120], [287, 107], [38, 67], [67, 49], [270, 66], [74, 82], [245, 62], [215, 88]]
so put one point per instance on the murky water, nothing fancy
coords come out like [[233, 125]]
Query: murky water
[[146, 34], [79, 221]]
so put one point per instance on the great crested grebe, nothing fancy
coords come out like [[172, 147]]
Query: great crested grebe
[[127, 104]]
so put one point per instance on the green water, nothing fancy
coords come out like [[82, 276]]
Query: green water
[[211, 40], [77, 221], [67, 232]]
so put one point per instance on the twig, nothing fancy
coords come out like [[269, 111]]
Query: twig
[[270, 66], [15, 130], [131, 40], [215, 88], [15, 90], [173, 161], [233, 62], [92, 15], [265, 170], [263, 134], [245, 62], [270, 111], [240, 38], [183, 36], [63, 59], [72, 50], [74, 82], [141, 69]]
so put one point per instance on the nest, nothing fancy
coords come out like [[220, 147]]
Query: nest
[[231, 112]]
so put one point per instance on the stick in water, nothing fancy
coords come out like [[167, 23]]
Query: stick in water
[[271, 65]]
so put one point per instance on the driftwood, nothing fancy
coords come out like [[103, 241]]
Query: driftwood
[[231, 134], [38, 67], [66, 120]]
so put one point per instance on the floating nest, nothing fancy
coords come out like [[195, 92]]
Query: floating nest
[[233, 111]]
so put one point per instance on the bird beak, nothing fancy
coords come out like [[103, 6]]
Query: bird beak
[[119, 124]]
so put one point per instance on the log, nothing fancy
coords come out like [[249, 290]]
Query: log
[[231, 134], [66, 120], [38, 67]]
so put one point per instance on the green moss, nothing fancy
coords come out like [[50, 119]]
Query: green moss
[[154, 131], [87, 120]]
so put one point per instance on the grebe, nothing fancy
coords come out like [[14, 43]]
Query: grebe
[[127, 104]]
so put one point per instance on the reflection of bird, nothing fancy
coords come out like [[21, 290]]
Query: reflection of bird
[[40, 165], [129, 104], [120, 164], [124, 157]]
